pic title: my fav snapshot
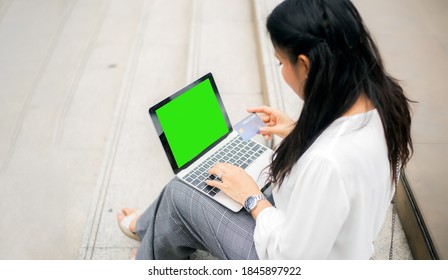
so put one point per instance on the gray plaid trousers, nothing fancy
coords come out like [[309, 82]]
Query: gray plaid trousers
[[183, 219]]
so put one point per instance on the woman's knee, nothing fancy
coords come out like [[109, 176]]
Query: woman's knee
[[176, 188], [179, 193]]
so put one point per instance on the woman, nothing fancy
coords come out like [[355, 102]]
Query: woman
[[332, 175]]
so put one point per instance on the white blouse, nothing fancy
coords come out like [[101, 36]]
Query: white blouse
[[334, 201]]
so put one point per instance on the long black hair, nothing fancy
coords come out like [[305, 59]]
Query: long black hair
[[344, 63]]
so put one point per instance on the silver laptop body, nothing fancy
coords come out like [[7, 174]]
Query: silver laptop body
[[212, 139]]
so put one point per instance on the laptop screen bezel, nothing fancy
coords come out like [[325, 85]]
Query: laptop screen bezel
[[161, 133]]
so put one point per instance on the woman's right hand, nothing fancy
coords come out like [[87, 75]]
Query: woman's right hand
[[277, 122]]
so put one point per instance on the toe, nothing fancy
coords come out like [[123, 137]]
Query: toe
[[120, 215], [125, 212], [128, 211]]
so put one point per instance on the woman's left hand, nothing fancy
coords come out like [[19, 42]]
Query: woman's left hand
[[236, 183]]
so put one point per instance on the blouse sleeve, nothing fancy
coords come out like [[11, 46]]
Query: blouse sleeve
[[309, 226]]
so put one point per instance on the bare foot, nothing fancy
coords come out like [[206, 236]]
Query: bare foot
[[126, 212]]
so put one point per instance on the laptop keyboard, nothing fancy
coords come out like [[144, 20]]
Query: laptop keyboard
[[237, 152]]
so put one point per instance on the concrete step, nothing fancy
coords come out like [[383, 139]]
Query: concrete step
[[63, 69]]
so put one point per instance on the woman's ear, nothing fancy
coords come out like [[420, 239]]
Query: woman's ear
[[303, 60]]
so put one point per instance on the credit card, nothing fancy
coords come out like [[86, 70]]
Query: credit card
[[249, 126]]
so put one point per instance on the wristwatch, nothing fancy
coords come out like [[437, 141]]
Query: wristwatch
[[252, 201]]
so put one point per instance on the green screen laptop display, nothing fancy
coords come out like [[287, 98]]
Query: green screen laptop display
[[190, 121]]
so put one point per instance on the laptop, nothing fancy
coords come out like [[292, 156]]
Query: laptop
[[196, 133]]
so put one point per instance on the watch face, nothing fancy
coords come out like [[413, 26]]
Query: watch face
[[250, 203]]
